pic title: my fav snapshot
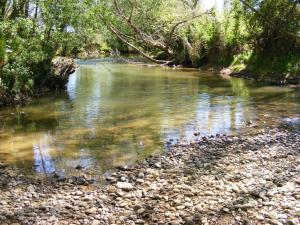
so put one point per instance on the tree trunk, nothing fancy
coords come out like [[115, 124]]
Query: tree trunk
[[26, 9], [2, 8], [36, 9], [2, 50], [119, 35]]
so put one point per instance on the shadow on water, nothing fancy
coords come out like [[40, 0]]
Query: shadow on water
[[113, 114]]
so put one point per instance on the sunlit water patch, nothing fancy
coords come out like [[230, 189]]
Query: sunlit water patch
[[113, 114]]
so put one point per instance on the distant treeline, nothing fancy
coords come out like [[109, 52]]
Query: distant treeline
[[253, 36]]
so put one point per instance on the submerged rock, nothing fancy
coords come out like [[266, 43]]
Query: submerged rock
[[79, 167]]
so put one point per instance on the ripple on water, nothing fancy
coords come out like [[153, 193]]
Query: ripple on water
[[113, 114]]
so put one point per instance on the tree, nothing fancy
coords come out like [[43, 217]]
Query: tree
[[32, 34], [2, 50], [144, 26], [273, 24]]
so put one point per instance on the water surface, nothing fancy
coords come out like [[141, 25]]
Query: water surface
[[113, 114]]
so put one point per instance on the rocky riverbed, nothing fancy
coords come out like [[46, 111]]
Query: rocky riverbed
[[217, 180]]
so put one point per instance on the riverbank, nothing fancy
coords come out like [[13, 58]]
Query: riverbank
[[61, 69], [260, 75], [279, 80], [217, 180], [275, 80]]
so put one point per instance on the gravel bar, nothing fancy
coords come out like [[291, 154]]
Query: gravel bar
[[217, 180]]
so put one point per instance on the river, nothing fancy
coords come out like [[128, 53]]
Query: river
[[113, 114]]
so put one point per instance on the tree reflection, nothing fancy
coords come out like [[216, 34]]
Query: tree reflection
[[115, 114]]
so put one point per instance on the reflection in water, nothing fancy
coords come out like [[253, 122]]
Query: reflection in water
[[239, 88], [114, 113], [42, 159]]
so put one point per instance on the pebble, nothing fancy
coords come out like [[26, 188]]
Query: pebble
[[124, 186], [273, 215], [91, 211], [226, 210], [238, 180], [96, 222]]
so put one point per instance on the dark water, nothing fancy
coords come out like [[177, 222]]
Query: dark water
[[113, 114]]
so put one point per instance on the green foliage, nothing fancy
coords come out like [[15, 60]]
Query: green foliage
[[241, 60], [22, 50], [206, 38], [252, 35], [28, 43], [279, 69], [2, 50], [242, 36], [270, 46], [275, 27], [239, 88], [215, 38], [17, 78]]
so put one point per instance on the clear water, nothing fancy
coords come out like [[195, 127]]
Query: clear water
[[113, 114]]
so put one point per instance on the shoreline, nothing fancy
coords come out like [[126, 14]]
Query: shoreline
[[218, 180], [255, 77], [219, 70]]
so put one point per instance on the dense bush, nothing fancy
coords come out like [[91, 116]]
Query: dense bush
[[32, 34]]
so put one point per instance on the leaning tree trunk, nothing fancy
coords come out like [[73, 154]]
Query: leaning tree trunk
[[144, 38]]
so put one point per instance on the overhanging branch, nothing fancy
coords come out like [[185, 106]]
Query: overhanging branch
[[123, 39]]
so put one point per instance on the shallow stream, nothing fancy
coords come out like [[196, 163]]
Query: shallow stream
[[113, 114]]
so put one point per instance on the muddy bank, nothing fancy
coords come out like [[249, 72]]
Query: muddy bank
[[217, 180]]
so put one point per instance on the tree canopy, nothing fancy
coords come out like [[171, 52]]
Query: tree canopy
[[244, 35]]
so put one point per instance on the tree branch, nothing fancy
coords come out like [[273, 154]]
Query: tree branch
[[179, 23], [120, 36], [144, 37]]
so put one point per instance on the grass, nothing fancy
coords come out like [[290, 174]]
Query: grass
[[281, 69]]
